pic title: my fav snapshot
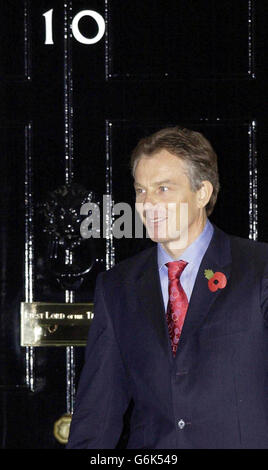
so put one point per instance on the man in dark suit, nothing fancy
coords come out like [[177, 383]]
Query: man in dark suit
[[180, 329]]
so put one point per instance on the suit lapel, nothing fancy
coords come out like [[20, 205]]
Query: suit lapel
[[216, 258], [151, 300]]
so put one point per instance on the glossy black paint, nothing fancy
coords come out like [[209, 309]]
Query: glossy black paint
[[199, 64]]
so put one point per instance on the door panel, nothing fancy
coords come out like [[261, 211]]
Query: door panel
[[71, 114]]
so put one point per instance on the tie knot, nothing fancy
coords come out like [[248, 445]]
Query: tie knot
[[175, 268]]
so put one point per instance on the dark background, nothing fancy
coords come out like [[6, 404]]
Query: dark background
[[72, 113]]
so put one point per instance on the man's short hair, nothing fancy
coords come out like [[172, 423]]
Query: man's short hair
[[190, 146]]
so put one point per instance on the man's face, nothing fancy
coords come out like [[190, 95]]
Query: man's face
[[161, 185]]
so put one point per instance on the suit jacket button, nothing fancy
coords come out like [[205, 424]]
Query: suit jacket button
[[181, 424]]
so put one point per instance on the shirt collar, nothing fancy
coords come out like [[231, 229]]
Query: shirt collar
[[193, 253]]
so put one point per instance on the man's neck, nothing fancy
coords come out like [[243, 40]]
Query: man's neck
[[174, 248]]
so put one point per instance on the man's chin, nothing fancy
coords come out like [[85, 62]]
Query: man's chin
[[158, 238], [176, 243]]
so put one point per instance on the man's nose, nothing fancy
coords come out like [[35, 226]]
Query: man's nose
[[152, 210], [150, 198]]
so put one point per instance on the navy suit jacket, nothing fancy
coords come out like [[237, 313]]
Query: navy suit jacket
[[214, 394]]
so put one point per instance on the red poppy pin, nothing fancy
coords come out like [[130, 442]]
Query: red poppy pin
[[215, 280]]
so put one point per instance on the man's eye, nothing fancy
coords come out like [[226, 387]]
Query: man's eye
[[138, 190], [163, 188]]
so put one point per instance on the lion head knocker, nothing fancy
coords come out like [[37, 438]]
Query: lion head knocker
[[70, 257]]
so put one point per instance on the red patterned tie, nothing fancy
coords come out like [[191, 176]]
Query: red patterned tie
[[177, 304]]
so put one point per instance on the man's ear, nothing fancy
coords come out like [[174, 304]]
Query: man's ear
[[204, 193]]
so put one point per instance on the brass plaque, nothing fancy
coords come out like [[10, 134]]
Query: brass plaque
[[55, 324]]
